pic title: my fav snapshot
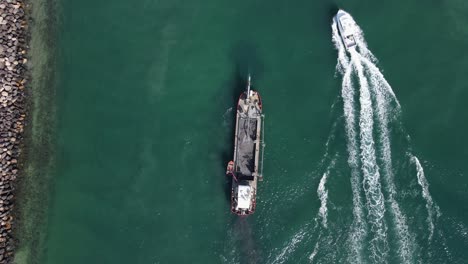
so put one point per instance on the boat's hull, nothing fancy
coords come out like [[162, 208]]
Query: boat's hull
[[346, 29], [244, 167]]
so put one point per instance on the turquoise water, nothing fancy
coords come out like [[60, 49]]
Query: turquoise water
[[145, 118]]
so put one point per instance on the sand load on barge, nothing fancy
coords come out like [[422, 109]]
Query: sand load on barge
[[247, 165]]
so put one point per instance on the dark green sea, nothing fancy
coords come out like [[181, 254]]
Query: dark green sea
[[132, 126]]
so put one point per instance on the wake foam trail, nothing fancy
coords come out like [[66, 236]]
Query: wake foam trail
[[381, 92], [368, 59], [432, 209], [403, 235], [359, 227], [343, 60], [323, 196], [291, 246], [382, 84], [322, 193], [371, 176], [362, 45], [314, 253]]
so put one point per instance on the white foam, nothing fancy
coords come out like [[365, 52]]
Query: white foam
[[371, 175], [383, 86], [322, 193], [343, 60], [374, 91], [362, 64], [432, 209], [290, 246], [399, 220], [362, 45], [359, 227], [314, 253], [323, 196]]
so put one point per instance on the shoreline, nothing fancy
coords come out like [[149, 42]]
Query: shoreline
[[27, 112], [13, 78]]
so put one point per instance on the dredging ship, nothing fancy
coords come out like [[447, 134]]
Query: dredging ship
[[347, 29], [247, 165]]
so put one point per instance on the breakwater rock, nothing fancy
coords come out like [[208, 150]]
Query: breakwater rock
[[13, 48]]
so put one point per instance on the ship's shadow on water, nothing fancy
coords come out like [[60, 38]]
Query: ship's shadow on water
[[332, 9], [327, 19], [235, 85]]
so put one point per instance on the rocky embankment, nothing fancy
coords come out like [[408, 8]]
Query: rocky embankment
[[13, 48]]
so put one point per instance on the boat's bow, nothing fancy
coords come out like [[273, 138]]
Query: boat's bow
[[246, 166], [347, 29]]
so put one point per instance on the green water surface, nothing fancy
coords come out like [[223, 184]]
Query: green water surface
[[144, 113]]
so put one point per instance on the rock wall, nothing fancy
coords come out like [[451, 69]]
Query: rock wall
[[13, 48]]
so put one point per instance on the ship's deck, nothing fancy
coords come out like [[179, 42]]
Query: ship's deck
[[246, 153], [248, 121], [247, 134]]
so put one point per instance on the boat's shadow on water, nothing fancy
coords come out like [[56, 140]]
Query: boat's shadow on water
[[332, 10], [241, 239], [235, 85]]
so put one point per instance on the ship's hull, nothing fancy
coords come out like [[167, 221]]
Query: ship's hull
[[346, 28], [248, 153]]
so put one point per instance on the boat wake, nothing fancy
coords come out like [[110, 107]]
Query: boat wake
[[322, 193], [433, 210], [370, 106], [291, 246]]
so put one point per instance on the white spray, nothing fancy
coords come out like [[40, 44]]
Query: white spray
[[377, 88], [432, 209]]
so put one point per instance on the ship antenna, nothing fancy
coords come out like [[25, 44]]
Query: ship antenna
[[248, 86]]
